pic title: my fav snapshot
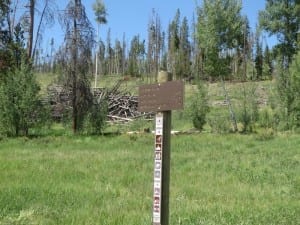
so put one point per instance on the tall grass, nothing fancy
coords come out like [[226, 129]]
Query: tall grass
[[229, 179]]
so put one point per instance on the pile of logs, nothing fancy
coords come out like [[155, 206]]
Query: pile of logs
[[122, 106], [60, 101]]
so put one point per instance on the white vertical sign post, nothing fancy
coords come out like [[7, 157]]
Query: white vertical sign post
[[158, 159], [162, 157]]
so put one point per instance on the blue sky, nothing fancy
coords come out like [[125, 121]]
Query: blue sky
[[132, 16]]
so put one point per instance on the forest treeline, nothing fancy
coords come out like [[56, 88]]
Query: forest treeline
[[218, 44]]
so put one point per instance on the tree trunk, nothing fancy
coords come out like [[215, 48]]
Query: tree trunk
[[31, 28], [74, 74], [97, 52], [32, 52], [232, 114]]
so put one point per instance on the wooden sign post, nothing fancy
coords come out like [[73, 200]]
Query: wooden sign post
[[161, 98]]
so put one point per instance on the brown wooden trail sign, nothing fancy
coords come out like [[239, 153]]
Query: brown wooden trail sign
[[161, 98]]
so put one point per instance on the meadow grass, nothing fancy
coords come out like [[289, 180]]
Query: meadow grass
[[59, 178], [215, 180]]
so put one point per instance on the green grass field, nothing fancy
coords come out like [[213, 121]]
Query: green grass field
[[232, 179], [215, 180]]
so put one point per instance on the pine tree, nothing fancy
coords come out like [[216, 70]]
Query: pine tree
[[173, 41], [101, 57], [133, 67], [118, 57], [267, 63], [154, 44], [123, 54], [20, 104], [136, 56], [109, 53], [184, 69], [258, 58], [196, 67]]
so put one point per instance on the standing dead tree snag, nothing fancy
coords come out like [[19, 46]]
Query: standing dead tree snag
[[79, 36]]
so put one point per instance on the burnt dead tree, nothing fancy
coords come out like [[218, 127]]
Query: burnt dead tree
[[79, 36]]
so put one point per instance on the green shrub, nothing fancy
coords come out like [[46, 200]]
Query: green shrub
[[288, 90], [21, 106], [267, 118], [199, 107], [247, 111], [96, 117], [219, 124], [265, 134], [295, 83]]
